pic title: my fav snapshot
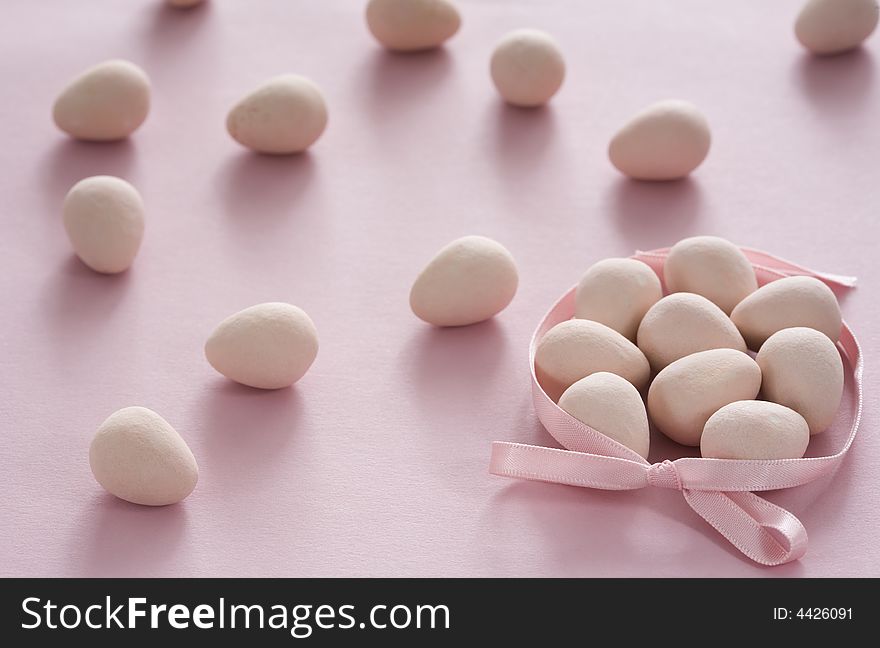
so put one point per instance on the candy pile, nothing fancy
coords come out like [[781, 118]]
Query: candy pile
[[695, 342]]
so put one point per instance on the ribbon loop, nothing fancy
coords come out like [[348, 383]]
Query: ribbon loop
[[764, 532]]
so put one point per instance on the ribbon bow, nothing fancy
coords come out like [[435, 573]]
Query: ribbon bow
[[719, 490]]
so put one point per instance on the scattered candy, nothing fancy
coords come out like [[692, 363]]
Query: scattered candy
[[666, 141], [268, 346], [106, 102], [610, 405], [617, 293], [527, 68], [104, 219], [784, 303], [711, 267], [576, 348], [468, 281], [412, 25], [688, 391], [684, 323], [285, 115], [750, 429], [802, 370], [137, 456], [835, 26]]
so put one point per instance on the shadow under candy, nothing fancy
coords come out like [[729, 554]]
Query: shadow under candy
[[454, 364], [128, 540], [654, 214], [836, 85]]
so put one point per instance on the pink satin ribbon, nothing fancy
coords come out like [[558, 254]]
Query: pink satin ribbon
[[719, 490]]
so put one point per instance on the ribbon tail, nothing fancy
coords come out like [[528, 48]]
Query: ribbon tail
[[787, 267], [566, 467], [764, 532]]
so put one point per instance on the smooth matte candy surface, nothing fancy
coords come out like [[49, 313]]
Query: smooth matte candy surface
[[750, 429], [268, 346], [104, 220], [412, 25], [617, 293], [527, 68], [712, 267], [106, 102], [137, 456], [611, 405], [785, 303], [835, 26], [803, 370], [684, 323], [666, 141], [687, 392], [576, 348], [285, 115], [468, 281]]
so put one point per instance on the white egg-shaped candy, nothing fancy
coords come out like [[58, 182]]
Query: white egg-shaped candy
[[785, 303], [684, 323], [712, 267], [835, 26], [750, 429], [802, 370], [611, 405], [617, 293], [104, 220], [268, 346], [137, 456], [468, 281], [106, 102], [577, 348], [412, 25], [666, 141], [285, 115], [688, 391], [527, 68]]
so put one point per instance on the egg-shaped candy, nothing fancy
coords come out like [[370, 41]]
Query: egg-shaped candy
[[666, 141], [688, 391], [835, 26], [576, 348], [104, 220], [712, 267], [802, 370], [684, 323], [611, 405], [285, 115], [527, 68], [268, 346], [750, 429], [412, 25], [106, 102], [617, 293], [785, 303], [468, 281], [137, 456]]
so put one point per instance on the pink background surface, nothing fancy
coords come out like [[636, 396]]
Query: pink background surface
[[375, 464]]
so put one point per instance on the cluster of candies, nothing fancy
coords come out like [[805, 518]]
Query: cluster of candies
[[686, 336], [694, 341]]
